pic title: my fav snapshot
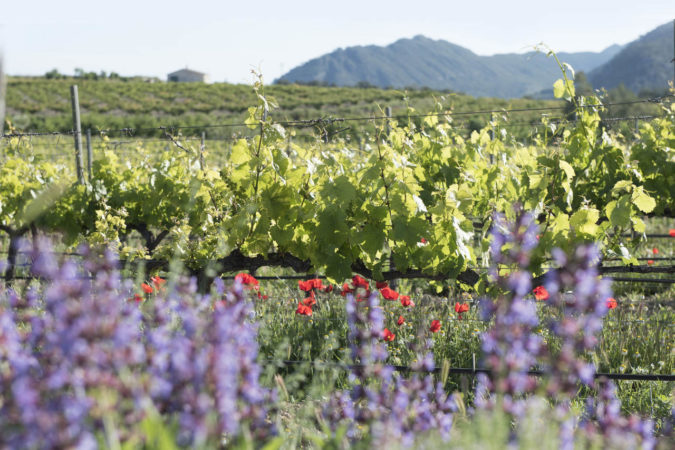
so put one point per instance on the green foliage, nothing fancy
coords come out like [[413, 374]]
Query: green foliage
[[340, 208], [44, 104]]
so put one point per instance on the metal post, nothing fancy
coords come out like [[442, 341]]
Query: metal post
[[387, 112], [78, 133], [90, 154]]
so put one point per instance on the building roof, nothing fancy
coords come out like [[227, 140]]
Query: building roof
[[187, 71]]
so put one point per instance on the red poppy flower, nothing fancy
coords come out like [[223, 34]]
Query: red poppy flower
[[304, 310], [388, 335], [655, 251], [435, 326], [423, 241], [650, 262], [357, 281], [158, 281], [671, 232], [381, 284], [314, 283], [461, 308], [309, 301], [146, 288], [611, 303], [328, 288], [389, 293], [136, 298], [345, 290], [304, 285], [405, 301], [246, 279], [400, 321], [540, 293], [538, 236]]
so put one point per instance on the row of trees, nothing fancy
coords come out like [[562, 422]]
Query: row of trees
[[81, 74]]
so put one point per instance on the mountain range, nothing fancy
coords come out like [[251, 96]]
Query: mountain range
[[643, 64], [437, 64]]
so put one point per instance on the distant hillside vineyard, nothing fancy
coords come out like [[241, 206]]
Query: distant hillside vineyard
[[44, 104]]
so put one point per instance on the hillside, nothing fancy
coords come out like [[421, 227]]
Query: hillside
[[439, 64], [43, 104], [643, 64]]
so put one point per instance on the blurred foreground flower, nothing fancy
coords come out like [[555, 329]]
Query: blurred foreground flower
[[77, 354]]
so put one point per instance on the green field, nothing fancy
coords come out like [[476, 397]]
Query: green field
[[44, 104]]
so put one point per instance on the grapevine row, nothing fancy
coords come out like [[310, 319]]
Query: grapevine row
[[329, 209]]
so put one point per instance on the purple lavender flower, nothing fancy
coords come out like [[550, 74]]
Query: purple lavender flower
[[85, 341], [394, 409], [603, 417], [511, 346], [581, 321]]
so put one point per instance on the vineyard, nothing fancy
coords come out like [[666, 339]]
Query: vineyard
[[398, 279], [43, 104]]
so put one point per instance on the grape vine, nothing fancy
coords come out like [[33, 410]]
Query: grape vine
[[412, 195]]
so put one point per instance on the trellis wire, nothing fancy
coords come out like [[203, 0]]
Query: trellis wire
[[323, 121], [473, 371]]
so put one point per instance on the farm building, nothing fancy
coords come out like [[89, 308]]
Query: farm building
[[187, 75]]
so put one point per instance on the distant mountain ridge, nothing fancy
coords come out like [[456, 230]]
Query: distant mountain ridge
[[644, 64], [438, 64]]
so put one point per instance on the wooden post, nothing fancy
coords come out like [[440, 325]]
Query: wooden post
[[90, 154], [78, 133], [201, 151], [392, 266], [2, 97]]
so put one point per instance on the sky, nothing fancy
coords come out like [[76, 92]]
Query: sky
[[228, 39]]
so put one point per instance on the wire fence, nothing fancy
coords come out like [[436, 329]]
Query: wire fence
[[141, 140], [604, 270], [326, 121], [472, 371], [391, 276]]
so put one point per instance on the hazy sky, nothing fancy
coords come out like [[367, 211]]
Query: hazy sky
[[227, 39]]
